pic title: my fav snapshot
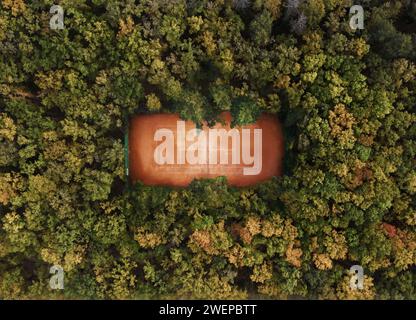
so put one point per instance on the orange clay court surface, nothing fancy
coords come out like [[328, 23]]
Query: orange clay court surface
[[142, 145]]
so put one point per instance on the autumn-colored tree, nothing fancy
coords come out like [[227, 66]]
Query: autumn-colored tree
[[346, 100]]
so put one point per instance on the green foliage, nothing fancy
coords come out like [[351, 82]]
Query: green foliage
[[346, 100]]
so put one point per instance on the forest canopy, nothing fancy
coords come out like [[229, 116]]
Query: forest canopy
[[346, 99]]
